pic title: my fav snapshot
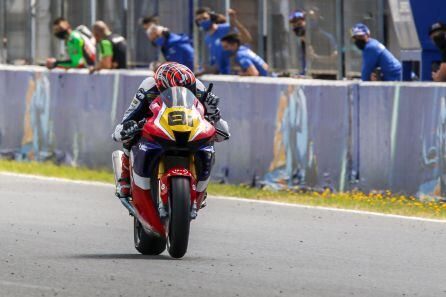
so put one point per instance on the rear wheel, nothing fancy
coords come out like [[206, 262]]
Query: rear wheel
[[147, 244], [179, 217]]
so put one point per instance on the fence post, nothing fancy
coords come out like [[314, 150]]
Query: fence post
[[32, 44]]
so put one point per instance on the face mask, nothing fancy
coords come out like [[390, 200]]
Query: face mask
[[228, 53], [440, 41], [299, 31], [159, 41], [360, 43], [205, 25], [61, 34]]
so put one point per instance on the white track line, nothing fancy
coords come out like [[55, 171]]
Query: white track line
[[57, 179], [27, 286], [245, 200], [361, 212]]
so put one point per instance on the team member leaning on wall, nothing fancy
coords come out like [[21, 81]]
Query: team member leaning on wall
[[112, 48], [175, 47], [437, 33], [250, 63], [375, 56], [79, 44], [215, 25]]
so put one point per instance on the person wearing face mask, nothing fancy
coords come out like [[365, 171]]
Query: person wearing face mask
[[174, 47], [322, 49], [250, 63], [112, 48], [80, 49], [314, 44], [216, 26], [299, 24], [437, 33], [374, 56]]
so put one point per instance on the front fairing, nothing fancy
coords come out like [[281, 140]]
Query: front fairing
[[178, 120]]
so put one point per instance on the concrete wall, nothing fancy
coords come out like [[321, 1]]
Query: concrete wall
[[285, 132]]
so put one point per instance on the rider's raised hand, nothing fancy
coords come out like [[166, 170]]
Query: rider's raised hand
[[211, 103]]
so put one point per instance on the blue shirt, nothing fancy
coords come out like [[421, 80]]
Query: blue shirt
[[376, 55], [178, 48], [246, 57], [216, 55]]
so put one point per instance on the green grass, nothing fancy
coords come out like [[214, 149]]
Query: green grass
[[383, 203], [51, 170]]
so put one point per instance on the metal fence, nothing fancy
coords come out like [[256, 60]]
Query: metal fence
[[25, 28]]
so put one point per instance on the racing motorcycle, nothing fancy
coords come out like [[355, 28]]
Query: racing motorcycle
[[164, 204]]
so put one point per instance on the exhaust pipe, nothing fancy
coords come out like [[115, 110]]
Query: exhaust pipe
[[117, 164], [117, 169]]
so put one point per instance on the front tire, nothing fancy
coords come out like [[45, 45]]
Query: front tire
[[179, 223], [147, 244]]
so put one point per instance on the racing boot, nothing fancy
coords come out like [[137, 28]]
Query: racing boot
[[123, 186]]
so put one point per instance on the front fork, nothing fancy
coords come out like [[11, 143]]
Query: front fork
[[164, 186]]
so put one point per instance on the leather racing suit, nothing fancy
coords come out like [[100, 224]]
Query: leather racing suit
[[139, 110]]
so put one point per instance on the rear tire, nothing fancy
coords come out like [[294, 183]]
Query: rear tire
[[147, 244], [179, 216]]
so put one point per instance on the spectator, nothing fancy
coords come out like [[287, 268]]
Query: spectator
[[299, 24], [216, 27], [437, 33], [146, 22], [314, 43], [375, 57], [322, 46], [175, 47], [79, 45], [112, 48], [251, 64]]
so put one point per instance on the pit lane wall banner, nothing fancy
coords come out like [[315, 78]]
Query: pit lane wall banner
[[285, 133]]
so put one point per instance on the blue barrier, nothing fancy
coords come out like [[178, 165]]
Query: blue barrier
[[403, 138], [299, 132], [285, 132]]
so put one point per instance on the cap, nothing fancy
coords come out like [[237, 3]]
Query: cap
[[436, 27], [359, 29], [298, 14]]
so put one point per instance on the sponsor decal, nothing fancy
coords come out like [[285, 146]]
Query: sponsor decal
[[143, 147], [133, 106], [140, 94]]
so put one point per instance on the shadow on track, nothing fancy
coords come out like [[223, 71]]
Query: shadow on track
[[121, 256]]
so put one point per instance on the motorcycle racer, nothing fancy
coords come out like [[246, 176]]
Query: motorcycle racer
[[169, 74]]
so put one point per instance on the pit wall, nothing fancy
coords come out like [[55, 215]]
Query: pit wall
[[285, 132]]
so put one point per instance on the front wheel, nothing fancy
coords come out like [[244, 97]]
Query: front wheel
[[147, 244], [179, 222]]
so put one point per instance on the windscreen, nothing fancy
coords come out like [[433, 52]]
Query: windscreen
[[178, 97]]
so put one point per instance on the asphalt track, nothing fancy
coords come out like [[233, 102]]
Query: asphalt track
[[69, 239]]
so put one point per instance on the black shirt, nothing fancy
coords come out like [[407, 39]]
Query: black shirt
[[119, 50]]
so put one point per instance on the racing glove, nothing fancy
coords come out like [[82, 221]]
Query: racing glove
[[211, 105], [125, 131]]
